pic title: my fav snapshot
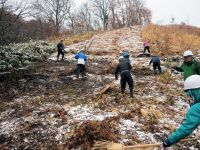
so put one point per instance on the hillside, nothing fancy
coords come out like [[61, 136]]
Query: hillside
[[44, 106], [172, 39]]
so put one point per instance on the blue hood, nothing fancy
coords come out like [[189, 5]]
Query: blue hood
[[81, 55]]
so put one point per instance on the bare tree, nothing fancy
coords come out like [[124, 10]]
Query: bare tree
[[55, 11], [132, 12], [72, 21], [113, 4], [104, 13], [85, 16], [143, 15], [51, 16], [122, 16], [20, 10], [10, 16], [101, 10]]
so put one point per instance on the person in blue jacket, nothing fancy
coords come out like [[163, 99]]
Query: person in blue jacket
[[192, 119], [156, 63], [81, 59]]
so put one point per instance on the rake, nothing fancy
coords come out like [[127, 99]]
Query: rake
[[105, 145]]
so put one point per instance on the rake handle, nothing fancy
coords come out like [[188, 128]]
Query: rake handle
[[143, 146], [158, 144]]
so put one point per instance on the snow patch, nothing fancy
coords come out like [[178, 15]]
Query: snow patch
[[8, 127], [83, 113], [181, 104]]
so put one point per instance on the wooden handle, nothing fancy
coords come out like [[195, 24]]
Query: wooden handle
[[190, 139], [136, 147], [157, 144], [143, 146]]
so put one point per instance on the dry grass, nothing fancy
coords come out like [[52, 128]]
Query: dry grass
[[70, 39], [91, 131], [172, 39]]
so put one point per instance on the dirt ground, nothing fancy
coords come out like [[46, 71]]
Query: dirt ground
[[45, 106]]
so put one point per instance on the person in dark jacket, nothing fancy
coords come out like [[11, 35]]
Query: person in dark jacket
[[192, 119], [124, 69], [82, 58], [61, 49], [125, 54], [156, 63], [190, 66]]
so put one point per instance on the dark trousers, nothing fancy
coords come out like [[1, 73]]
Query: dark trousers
[[80, 69], [157, 66], [146, 48], [126, 77], [60, 52]]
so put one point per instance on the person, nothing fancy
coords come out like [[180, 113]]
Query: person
[[82, 58], [192, 119], [124, 56], [190, 66], [61, 49], [124, 68], [156, 63], [146, 46]]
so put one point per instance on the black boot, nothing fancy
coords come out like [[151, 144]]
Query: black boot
[[155, 72], [131, 92]]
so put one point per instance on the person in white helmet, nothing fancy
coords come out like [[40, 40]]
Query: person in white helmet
[[190, 66], [192, 119]]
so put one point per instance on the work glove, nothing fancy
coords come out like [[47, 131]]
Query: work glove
[[167, 143]]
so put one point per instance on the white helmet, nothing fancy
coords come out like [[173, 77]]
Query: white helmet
[[192, 82], [187, 53]]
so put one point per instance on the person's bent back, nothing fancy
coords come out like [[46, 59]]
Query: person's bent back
[[124, 68]]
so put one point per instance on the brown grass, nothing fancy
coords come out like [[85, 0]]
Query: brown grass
[[91, 131], [172, 39], [71, 39]]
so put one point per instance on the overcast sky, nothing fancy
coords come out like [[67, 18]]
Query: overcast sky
[[182, 10]]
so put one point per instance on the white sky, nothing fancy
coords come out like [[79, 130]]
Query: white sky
[[182, 10], [163, 10]]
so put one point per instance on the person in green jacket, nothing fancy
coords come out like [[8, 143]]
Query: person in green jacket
[[192, 119], [190, 66]]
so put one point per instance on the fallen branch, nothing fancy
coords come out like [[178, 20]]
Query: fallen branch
[[90, 44], [104, 89]]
